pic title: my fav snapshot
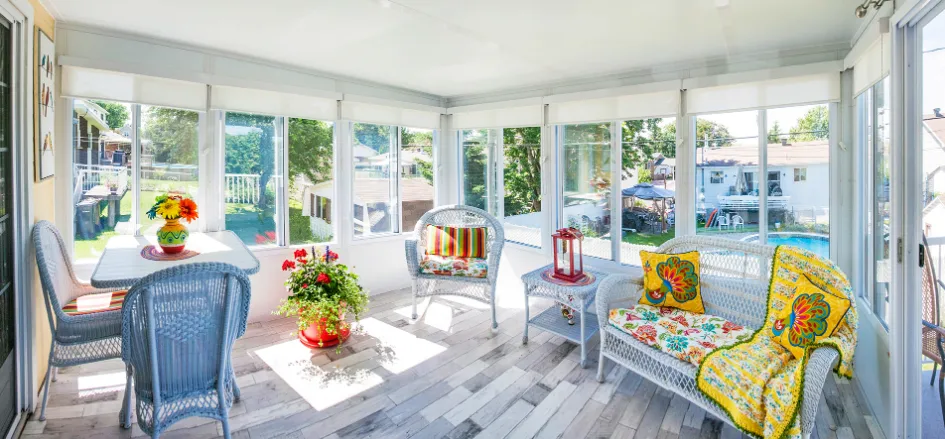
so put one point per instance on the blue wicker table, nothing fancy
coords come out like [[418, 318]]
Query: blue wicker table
[[577, 297]]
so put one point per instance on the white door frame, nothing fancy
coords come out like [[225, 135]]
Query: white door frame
[[20, 15], [905, 297]]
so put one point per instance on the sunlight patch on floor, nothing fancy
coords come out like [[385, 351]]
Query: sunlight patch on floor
[[91, 385], [399, 350], [329, 384], [435, 314]]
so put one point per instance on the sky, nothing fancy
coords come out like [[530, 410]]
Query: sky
[[933, 65], [745, 123]]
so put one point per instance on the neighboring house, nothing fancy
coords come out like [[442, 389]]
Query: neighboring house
[[88, 124], [371, 204], [796, 178]]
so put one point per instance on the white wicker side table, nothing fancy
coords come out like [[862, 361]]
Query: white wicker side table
[[578, 298]]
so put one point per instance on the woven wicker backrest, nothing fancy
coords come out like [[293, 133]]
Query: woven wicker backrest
[[55, 268], [179, 325], [462, 216], [735, 276]]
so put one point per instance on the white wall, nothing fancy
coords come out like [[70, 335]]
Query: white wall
[[803, 194]]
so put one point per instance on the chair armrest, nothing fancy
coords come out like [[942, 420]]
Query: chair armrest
[[819, 365], [616, 288], [413, 256]]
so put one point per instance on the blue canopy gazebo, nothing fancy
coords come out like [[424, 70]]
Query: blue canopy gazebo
[[646, 191]]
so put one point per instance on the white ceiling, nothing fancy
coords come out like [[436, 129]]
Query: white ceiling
[[461, 47]]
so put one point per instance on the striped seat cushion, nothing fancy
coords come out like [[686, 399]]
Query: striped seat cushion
[[463, 242], [92, 303]]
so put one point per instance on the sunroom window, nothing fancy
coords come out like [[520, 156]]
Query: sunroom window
[[169, 158], [103, 189], [253, 176], [647, 185], [586, 186], [311, 166]]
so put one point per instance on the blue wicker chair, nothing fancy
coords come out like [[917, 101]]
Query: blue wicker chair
[[428, 285], [178, 329], [76, 339]]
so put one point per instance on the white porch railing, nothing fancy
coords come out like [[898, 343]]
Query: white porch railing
[[937, 253], [241, 188], [750, 202], [89, 176]]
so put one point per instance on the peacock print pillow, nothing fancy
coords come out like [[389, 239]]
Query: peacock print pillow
[[672, 280], [814, 315]]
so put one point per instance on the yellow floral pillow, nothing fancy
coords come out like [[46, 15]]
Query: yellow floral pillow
[[813, 315], [672, 280]]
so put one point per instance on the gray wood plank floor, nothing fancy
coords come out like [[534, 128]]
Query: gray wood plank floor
[[447, 376]]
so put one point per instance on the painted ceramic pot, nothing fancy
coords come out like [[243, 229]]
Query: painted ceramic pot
[[316, 336], [172, 237]]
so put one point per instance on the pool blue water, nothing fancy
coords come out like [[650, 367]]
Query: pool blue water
[[816, 245]]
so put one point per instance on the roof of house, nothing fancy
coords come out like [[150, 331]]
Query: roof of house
[[377, 190], [794, 154], [935, 126]]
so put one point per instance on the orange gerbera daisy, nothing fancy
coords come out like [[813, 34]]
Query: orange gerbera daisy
[[188, 209]]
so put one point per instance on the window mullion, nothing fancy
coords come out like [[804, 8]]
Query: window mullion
[[283, 194], [136, 168], [763, 176], [616, 168]]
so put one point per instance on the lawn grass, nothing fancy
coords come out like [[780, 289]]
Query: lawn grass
[[249, 222]]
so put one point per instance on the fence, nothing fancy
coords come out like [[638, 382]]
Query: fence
[[89, 176]]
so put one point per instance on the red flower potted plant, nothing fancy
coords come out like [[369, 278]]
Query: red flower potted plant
[[322, 293]]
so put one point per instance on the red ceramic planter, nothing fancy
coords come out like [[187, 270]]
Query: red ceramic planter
[[316, 337]]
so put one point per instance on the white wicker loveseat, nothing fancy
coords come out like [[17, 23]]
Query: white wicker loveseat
[[734, 279]]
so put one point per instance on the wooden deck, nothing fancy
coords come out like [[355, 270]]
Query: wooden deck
[[447, 376]]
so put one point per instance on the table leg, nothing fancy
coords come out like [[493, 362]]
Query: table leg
[[113, 206], [525, 336], [580, 312]]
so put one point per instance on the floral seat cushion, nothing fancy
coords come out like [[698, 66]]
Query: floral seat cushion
[[454, 266], [92, 303], [685, 335]]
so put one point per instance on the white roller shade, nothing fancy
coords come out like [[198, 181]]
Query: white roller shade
[[637, 106], [85, 83], [388, 115], [522, 113], [272, 102], [797, 90]]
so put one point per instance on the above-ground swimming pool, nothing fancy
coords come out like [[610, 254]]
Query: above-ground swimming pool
[[819, 244]]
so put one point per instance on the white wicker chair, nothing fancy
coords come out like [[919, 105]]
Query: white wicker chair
[[481, 289], [734, 279]]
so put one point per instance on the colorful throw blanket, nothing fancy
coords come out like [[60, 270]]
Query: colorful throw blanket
[[759, 383]]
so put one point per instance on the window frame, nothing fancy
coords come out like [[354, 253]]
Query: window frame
[[800, 174], [717, 179], [495, 176]]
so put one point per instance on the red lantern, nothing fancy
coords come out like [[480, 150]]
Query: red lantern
[[568, 265]]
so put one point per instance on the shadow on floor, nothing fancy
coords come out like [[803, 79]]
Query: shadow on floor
[[933, 426]]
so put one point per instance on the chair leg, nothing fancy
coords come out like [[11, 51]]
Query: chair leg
[[600, 360], [495, 323], [413, 312], [236, 389], [226, 427], [42, 412], [55, 373], [934, 369], [941, 391], [126, 402]]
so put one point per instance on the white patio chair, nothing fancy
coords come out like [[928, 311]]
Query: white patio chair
[[428, 285], [737, 222], [723, 222]]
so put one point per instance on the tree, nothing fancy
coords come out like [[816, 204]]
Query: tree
[[172, 134], [422, 142], [310, 150], [642, 141], [522, 174], [253, 152], [815, 125], [376, 137], [774, 133], [117, 114], [708, 133]]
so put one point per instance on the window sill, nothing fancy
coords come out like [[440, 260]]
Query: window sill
[[374, 238]]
